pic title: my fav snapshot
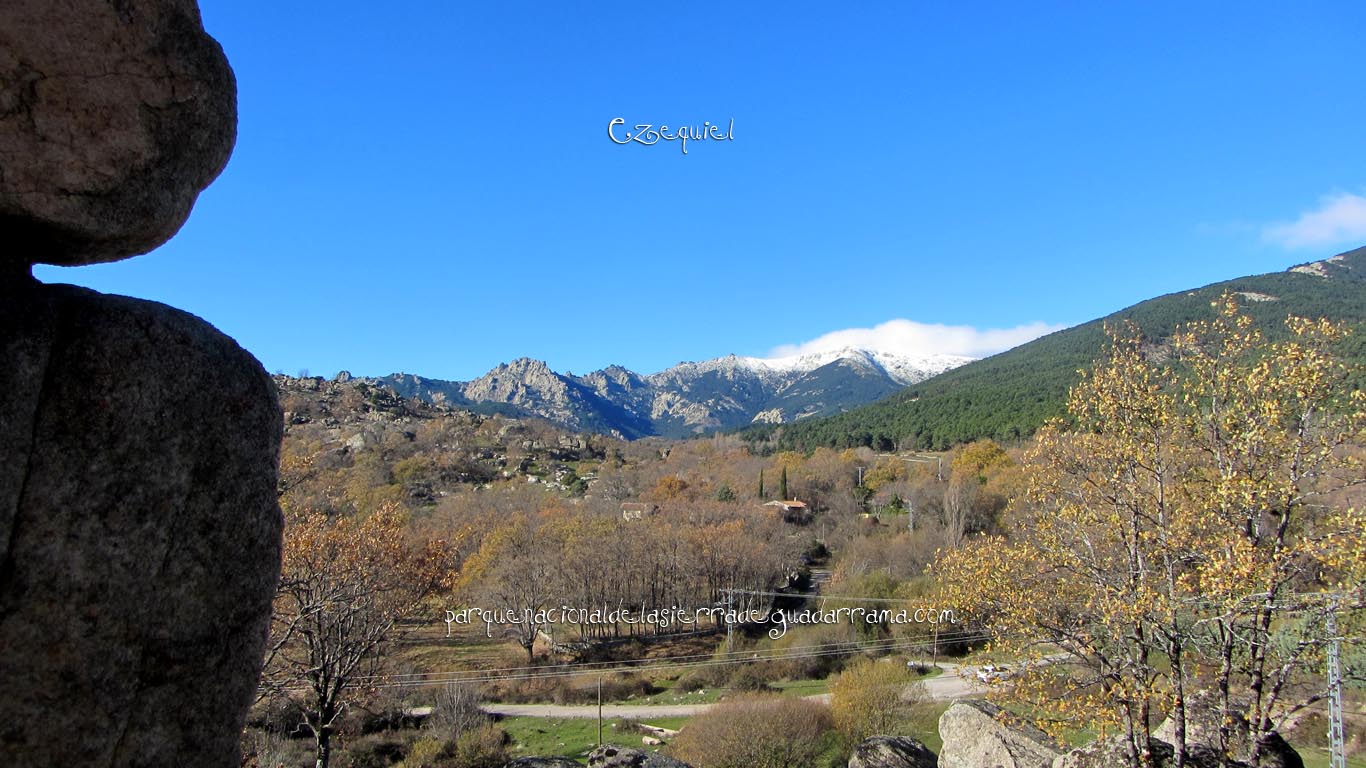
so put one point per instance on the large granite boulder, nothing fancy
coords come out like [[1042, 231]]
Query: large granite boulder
[[892, 752], [609, 756], [975, 736], [139, 528], [114, 114]]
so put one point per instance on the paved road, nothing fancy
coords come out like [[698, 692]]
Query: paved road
[[949, 685]]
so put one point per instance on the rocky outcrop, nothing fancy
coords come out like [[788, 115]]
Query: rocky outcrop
[[140, 531], [139, 528], [113, 116], [974, 736], [1204, 718], [608, 756], [1201, 752], [542, 762], [1113, 752], [892, 752]]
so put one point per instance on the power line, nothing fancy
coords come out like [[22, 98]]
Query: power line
[[848, 645], [690, 661], [847, 598], [648, 667], [693, 660]]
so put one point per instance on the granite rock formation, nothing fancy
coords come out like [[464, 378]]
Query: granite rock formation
[[113, 116], [975, 736], [892, 752], [139, 526], [609, 756]]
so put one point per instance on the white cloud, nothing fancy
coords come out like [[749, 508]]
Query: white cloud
[[909, 338], [1340, 218]]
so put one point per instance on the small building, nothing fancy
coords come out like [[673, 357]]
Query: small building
[[792, 511], [634, 510]]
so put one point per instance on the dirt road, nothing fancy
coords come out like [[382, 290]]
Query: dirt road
[[949, 685]]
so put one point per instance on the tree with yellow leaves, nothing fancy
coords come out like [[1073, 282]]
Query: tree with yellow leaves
[[1169, 526], [345, 584]]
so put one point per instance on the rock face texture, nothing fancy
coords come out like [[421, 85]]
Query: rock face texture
[[1205, 716], [608, 756], [1112, 752], [113, 116], [139, 528], [974, 738], [892, 752], [542, 762], [1277, 754]]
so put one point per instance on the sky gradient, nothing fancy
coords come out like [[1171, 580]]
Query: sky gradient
[[430, 187]]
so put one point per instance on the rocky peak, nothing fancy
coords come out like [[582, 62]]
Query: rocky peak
[[1349, 263]]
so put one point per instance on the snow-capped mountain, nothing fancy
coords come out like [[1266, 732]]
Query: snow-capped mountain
[[900, 368], [689, 398]]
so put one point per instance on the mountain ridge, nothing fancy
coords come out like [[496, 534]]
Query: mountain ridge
[[692, 397]]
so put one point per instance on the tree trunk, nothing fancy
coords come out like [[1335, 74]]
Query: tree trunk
[[1178, 714], [1225, 694], [323, 736]]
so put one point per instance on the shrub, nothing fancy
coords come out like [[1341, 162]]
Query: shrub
[[819, 650], [484, 747], [582, 689], [702, 678], [424, 753], [370, 752], [268, 750], [456, 711], [767, 732], [875, 698], [747, 678], [280, 715]]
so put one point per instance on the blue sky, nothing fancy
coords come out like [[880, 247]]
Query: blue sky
[[430, 187]]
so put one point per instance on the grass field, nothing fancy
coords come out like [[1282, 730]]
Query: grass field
[[1318, 758], [573, 738]]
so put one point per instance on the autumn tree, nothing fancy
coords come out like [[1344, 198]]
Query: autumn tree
[[512, 573], [345, 585], [1171, 524], [1270, 433], [977, 458]]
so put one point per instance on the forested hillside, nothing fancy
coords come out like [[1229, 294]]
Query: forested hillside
[[1008, 396]]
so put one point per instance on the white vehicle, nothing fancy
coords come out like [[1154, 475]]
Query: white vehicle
[[991, 673]]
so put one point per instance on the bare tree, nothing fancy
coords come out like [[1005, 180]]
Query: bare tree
[[345, 584]]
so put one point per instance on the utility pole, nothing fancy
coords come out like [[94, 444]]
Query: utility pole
[[934, 648], [599, 710], [1336, 734], [730, 625]]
